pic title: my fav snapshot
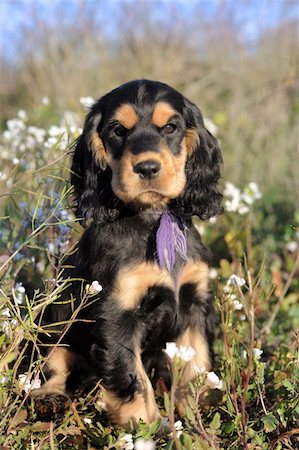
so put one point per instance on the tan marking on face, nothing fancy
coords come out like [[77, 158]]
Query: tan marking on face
[[126, 116], [197, 273], [191, 338], [170, 182], [60, 362], [162, 113], [98, 149], [133, 282], [142, 406], [192, 140]]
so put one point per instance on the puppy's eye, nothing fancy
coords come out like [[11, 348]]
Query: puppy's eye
[[169, 128], [119, 130]]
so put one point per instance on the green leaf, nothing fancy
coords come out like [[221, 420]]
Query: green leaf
[[186, 441], [216, 422], [167, 403], [270, 423], [288, 385]]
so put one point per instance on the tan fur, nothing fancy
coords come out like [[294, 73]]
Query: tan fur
[[162, 114], [129, 187], [132, 283], [126, 116], [97, 145], [195, 272], [142, 406], [60, 362], [192, 140], [191, 338]]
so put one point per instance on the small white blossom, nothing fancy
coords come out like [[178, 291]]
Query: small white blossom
[[5, 312], [186, 353], [87, 420], [237, 305], [242, 317], [292, 246], [22, 115], [243, 209], [213, 273], [45, 100], [213, 381], [179, 428], [94, 288], [20, 293], [142, 444], [183, 352], [234, 280], [171, 350], [28, 385], [87, 102], [257, 353], [199, 370], [127, 441]]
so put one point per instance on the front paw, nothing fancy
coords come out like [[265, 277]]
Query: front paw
[[49, 405]]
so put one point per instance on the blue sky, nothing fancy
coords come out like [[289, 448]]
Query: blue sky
[[253, 16]]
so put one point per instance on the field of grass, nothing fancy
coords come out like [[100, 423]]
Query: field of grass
[[253, 391]]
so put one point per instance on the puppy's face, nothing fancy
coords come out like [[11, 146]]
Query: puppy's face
[[141, 134]]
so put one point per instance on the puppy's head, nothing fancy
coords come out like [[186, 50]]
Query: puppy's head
[[145, 146]]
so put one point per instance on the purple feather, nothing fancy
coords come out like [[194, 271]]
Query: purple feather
[[169, 240]]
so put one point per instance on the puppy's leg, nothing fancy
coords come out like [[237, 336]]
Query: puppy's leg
[[119, 335], [51, 398], [196, 315]]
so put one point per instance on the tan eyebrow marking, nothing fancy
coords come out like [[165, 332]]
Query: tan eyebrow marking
[[126, 116], [162, 113]]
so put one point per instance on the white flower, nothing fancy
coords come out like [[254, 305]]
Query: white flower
[[292, 246], [127, 441], [234, 280], [237, 305], [142, 444], [179, 428], [94, 288], [186, 353], [45, 100], [257, 353], [5, 312], [28, 385], [87, 102], [243, 210], [20, 292], [255, 190], [213, 273], [213, 220], [242, 317], [213, 381], [183, 352], [199, 370], [87, 420], [171, 350], [22, 115]]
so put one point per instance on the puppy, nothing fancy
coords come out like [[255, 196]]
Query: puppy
[[143, 166]]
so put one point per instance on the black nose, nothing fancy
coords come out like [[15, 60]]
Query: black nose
[[147, 169]]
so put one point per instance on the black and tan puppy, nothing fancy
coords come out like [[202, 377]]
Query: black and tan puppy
[[143, 166]]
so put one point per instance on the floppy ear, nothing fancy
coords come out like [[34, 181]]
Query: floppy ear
[[200, 196], [90, 175]]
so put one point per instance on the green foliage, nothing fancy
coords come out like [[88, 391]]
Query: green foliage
[[256, 346]]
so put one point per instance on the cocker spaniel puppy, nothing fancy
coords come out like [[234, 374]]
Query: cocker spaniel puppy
[[143, 166]]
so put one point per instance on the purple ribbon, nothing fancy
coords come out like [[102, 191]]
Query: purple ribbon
[[170, 238]]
